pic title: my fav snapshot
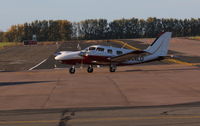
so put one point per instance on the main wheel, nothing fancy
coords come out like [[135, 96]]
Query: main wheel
[[112, 69], [72, 70], [90, 69]]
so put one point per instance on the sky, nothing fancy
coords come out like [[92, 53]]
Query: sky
[[20, 11]]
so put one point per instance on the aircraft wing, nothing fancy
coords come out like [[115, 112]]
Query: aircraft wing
[[128, 56]]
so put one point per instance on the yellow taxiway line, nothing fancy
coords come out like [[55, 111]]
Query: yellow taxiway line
[[28, 122], [125, 44], [133, 118], [180, 62], [102, 119]]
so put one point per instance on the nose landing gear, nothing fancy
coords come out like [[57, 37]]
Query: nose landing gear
[[113, 68], [72, 70]]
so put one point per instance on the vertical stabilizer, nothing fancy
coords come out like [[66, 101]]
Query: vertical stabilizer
[[160, 46]]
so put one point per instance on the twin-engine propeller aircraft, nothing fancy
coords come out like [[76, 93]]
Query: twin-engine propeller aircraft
[[113, 57]]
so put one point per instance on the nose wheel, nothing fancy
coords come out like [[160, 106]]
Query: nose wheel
[[113, 68], [72, 70], [90, 69]]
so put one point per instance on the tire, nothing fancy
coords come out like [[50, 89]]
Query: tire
[[112, 69], [72, 70], [90, 70]]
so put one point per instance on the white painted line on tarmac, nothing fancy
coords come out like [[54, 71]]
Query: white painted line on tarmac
[[59, 68], [38, 64]]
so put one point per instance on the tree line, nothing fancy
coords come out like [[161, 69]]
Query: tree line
[[58, 30], [61, 30]]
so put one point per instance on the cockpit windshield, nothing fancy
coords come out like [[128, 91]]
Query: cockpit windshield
[[92, 48]]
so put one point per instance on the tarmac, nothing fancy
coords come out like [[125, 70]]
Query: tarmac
[[141, 116], [130, 86], [41, 96]]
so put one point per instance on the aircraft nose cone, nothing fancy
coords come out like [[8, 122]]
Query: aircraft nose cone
[[58, 58]]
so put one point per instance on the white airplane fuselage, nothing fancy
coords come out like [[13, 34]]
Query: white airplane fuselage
[[99, 56]]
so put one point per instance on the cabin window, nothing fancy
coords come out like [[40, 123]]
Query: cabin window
[[110, 51], [119, 52], [92, 48], [100, 49]]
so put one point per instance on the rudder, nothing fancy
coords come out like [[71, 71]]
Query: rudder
[[160, 46]]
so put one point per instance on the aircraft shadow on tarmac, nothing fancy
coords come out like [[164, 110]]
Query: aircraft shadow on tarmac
[[22, 82], [178, 69]]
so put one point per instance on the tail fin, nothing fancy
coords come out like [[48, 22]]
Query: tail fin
[[160, 46]]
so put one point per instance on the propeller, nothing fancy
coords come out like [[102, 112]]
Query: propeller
[[82, 53], [78, 46]]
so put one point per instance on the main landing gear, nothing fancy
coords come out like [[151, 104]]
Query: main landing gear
[[89, 69]]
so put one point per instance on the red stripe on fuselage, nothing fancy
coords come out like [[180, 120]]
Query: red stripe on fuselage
[[91, 59]]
